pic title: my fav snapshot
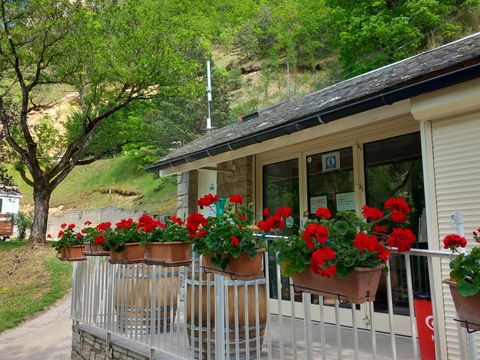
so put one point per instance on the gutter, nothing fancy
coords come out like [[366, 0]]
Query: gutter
[[327, 115]]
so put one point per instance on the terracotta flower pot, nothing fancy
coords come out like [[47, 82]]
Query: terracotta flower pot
[[358, 287], [168, 253], [466, 306], [94, 250], [72, 253], [244, 268], [132, 253]]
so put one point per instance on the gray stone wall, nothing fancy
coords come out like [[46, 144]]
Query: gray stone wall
[[240, 181], [187, 193]]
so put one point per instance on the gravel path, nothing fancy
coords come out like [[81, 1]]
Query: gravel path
[[46, 337]]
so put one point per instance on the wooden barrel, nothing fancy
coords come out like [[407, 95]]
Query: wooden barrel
[[243, 295], [145, 303]]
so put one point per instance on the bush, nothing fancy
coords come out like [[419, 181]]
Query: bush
[[23, 222]]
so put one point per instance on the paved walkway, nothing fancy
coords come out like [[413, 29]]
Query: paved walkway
[[46, 337]]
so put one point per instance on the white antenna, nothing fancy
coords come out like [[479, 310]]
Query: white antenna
[[288, 81], [209, 97]]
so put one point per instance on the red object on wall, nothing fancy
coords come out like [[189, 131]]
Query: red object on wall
[[425, 328]]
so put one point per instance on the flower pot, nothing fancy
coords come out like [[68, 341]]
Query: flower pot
[[358, 287], [466, 306], [72, 253], [132, 253], [94, 250], [168, 253], [243, 268]]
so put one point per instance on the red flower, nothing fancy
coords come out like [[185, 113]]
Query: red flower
[[328, 272], [315, 231], [237, 198], [234, 241], [265, 226], [276, 222], [99, 240], [86, 223], [373, 213], [104, 225], [320, 258], [284, 211], [266, 212], [200, 233], [63, 226], [398, 216], [60, 233], [71, 226], [323, 213], [79, 236], [365, 242], [453, 241], [194, 221], [125, 223], [176, 220], [382, 253], [49, 236], [398, 204], [207, 200], [402, 239], [380, 229]]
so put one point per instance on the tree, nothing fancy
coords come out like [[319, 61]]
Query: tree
[[113, 53]]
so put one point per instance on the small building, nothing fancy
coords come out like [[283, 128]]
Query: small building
[[411, 128], [9, 204]]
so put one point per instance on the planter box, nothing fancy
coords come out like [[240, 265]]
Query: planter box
[[94, 250], [243, 268], [72, 253], [132, 253], [168, 253], [467, 307], [358, 287]]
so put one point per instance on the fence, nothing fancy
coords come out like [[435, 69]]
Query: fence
[[187, 313]]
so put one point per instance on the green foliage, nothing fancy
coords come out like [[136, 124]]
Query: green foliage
[[23, 222], [465, 270], [5, 177], [68, 237]]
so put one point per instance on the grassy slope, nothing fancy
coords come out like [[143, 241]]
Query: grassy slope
[[31, 279], [88, 187]]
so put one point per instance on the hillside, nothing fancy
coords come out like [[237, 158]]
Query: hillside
[[120, 181]]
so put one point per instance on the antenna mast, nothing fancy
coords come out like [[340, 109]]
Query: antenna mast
[[209, 97]]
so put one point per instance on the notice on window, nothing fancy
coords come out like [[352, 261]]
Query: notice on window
[[331, 161], [345, 201], [317, 202]]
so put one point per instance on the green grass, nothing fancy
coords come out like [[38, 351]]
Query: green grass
[[39, 281], [88, 187], [9, 245]]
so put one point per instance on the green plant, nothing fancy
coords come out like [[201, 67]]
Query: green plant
[[67, 237], [23, 222], [465, 267], [337, 245], [227, 234]]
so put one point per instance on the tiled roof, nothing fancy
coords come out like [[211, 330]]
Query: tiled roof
[[9, 190], [375, 82]]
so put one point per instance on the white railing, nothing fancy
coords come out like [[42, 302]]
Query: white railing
[[186, 313]]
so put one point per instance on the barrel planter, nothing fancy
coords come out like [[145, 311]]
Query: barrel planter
[[145, 299], [168, 253], [242, 268], [72, 253], [132, 253], [94, 250], [248, 295], [467, 307], [358, 287]]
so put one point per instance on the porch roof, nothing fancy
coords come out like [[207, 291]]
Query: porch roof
[[447, 65], [10, 191]]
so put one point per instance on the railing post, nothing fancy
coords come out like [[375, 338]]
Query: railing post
[[219, 317]]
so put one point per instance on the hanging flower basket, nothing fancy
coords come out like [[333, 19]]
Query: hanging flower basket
[[467, 307], [94, 250], [131, 253], [357, 287], [241, 268], [168, 254], [72, 253]]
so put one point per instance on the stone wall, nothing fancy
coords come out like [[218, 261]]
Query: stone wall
[[240, 181], [187, 193]]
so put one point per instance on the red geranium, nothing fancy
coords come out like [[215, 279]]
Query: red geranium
[[323, 213], [194, 221], [398, 216], [319, 260], [63, 226], [49, 236], [88, 222], [207, 200], [79, 236], [402, 239], [315, 231], [382, 253], [453, 241], [60, 233], [237, 198], [365, 242], [371, 213], [71, 226], [265, 226], [398, 204], [176, 220], [380, 229], [266, 212], [234, 241], [125, 223], [104, 225], [99, 240], [284, 211]]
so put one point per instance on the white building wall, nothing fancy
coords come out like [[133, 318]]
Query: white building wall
[[10, 205]]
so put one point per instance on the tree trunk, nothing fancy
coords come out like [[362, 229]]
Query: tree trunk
[[40, 215]]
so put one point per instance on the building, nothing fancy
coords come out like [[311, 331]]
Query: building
[[410, 128], [9, 204]]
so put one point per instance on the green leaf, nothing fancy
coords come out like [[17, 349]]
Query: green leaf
[[468, 288]]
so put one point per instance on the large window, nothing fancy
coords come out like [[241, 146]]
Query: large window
[[393, 167]]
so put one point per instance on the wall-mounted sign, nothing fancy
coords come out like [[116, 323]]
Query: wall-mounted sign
[[345, 201], [331, 161], [317, 202]]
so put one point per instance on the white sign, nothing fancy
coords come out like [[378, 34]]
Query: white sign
[[345, 201], [331, 161], [317, 202]]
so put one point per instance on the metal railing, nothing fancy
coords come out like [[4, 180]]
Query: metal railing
[[189, 314]]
